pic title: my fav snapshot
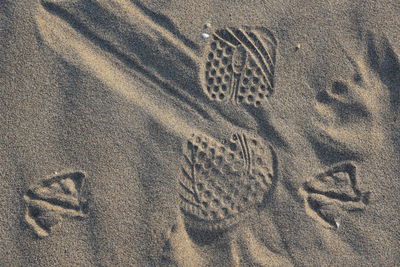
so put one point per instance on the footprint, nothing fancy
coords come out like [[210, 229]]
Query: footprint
[[240, 65], [221, 181], [344, 103], [333, 192], [52, 200]]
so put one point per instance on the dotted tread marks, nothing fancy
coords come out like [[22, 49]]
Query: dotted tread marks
[[240, 65], [222, 180]]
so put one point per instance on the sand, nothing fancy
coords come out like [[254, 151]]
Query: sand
[[199, 133]]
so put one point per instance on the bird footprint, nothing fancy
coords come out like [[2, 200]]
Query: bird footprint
[[52, 200], [333, 192]]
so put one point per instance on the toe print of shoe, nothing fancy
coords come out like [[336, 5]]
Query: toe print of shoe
[[333, 192], [240, 65], [221, 181]]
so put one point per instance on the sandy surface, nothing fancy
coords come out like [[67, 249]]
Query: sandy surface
[[199, 133]]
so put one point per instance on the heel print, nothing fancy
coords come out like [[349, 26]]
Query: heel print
[[220, 182]]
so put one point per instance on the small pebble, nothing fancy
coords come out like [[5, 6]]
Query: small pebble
[[205, 35], [207, 25]]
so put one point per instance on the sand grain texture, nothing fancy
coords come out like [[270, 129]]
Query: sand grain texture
[[199, 133]]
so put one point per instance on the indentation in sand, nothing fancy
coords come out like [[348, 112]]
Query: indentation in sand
[[222, 180], [332, 192], [53, 200], [240, 65]]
